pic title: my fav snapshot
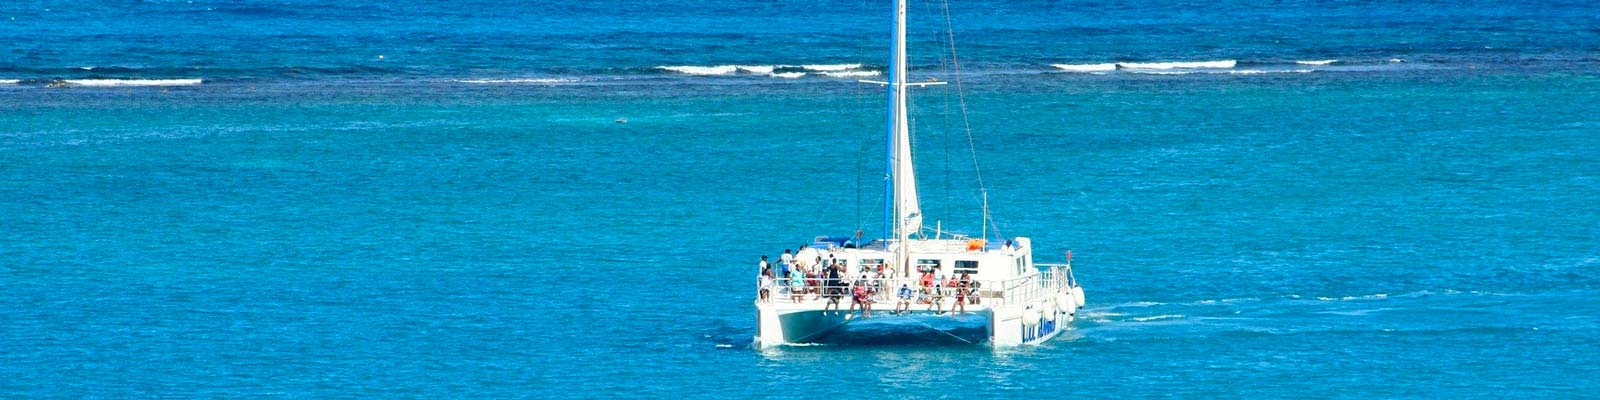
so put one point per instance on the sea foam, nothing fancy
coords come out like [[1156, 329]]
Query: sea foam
[[851, 74], [831, 67], [8, 81], [719, 69], [1086, 67], [1163, 72], [1156, 317], [132, 82], [1181, 64], [519, 80], [1350, 298], [1316, 62], [757, 69], [776, 70], [697, 70]]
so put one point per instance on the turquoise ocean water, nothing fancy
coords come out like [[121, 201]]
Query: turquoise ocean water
[[463, 217]]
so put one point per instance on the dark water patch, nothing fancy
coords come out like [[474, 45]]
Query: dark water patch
[[907, 331]]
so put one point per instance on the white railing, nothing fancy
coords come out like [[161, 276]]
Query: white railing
[[1020, 290]]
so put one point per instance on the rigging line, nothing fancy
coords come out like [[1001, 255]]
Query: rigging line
[[861, 109], [822, 331], [860, 155], [941, 330], [949, 192], [955, 61], [911, 126]]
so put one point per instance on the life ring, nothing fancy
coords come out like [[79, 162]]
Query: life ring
[[975, 244]]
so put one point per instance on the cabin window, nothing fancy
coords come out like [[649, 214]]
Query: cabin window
[[1019, 266], [871, 264], [927, 265], [966, 267]]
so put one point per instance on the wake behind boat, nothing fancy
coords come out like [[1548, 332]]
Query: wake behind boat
[[832, 282]]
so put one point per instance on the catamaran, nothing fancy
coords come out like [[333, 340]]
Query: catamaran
[[1018, 301]]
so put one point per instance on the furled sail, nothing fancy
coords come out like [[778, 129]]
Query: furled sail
[[907, 210]]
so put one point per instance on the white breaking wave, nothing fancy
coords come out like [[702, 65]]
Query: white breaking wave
[[1183, 64], [1086, 67], [9, 81], [1159, 72], [719, 69], [850, 74], [758, 69], [519, 80], [1156, 317], [694, 70], [1316, 62], [132, 82], [831, 67], [775, 71]]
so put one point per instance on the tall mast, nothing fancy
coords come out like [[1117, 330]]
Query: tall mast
[[901, 204], [891, 229]]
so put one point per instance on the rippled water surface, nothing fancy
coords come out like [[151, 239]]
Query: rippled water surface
[[465, 217]]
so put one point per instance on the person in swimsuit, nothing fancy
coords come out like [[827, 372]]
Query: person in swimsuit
[[861, 296], [961, 298]]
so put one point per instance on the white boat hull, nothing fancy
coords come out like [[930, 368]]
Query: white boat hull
[[788, 323]]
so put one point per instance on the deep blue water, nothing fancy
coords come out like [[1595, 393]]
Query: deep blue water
[[464, 218]]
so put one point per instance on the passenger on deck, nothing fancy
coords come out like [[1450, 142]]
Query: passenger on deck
[[762, 267], [1009, 248], [904, 293], [784, 266], [813, 282], [860, 295], [787, 258], [878, 282], [764, 287], [936, 298], [797, 286], [831, 288], [972, 288], [961, 298]]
